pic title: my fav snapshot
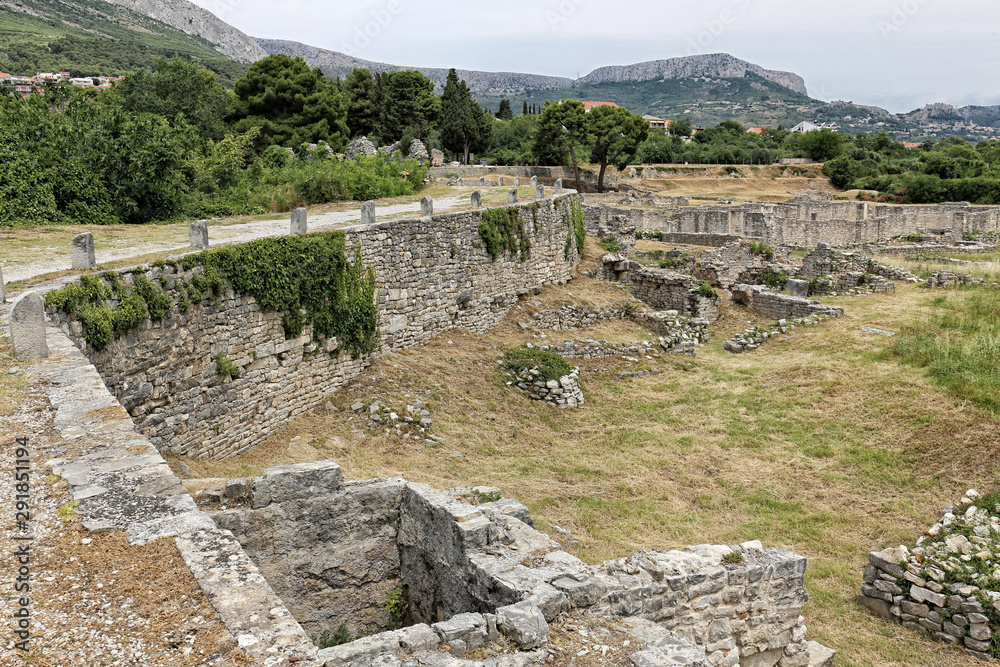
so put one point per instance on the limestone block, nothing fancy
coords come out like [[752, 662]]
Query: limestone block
[[539, 191], [82, 252], [198, 235], [27, 327], [524, 624], [368, 213], [499, 180], [288, 482], [437, 157], [558, 186], [669, 651], [3, 289], [797, 287], [299, 224], [517, 181], [534, 181], [426, 206], [469, 628], [477, 199], [512, 197]]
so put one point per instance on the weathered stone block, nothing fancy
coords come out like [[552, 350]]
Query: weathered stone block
[[426, 206], [302, 480], [198, 235], [524, 624], [540, 192], [797, 287], [512, 197], [27, 327], [477, 199], [299, 224], [558, 186], [82, 252], [368, 213]]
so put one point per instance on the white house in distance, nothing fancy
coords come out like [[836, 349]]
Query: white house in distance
[[807, 126]]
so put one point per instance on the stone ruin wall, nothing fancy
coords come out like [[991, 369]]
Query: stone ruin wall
[[806, 223], [661, 289], [433, 274], [461, 565], [779, 306]]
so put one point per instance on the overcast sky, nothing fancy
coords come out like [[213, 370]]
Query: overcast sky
[[898, 54]]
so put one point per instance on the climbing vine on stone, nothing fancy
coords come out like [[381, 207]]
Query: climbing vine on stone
[[502, 230], [307, 278]]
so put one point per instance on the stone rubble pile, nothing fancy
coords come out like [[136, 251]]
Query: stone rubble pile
[[949, 584], [754, 337], [851, 283], [562, 393], [360, 147], [952, 279]]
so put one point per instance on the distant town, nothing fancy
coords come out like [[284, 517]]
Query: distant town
[[26, 85]]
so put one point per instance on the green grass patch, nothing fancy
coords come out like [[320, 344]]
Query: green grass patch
[[959, 345]]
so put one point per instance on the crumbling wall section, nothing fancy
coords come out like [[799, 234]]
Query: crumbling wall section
[[781, 306]]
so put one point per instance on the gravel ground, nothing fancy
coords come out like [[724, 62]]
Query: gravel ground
[[227, 234], [94, 599]]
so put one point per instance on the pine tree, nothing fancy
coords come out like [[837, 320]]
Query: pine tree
[[525, 112], [465, 127], [505, 112]]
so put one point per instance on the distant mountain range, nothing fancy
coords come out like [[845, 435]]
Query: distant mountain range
[[705, 88]]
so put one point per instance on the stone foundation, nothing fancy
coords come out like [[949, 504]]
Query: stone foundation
[[781, 306]]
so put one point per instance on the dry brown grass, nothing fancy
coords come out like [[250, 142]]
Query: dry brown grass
[[766, 183]]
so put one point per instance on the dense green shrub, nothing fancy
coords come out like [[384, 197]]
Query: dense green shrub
[[502, 230], [550, 365]]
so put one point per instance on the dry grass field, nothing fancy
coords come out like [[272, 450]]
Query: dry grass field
[[765, 183]]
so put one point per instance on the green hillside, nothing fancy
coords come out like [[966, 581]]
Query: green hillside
[[92, 37], [751, 100]]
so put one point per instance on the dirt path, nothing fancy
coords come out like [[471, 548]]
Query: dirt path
[[221, 235]]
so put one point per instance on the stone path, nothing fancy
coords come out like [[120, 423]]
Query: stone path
[[228, 234]]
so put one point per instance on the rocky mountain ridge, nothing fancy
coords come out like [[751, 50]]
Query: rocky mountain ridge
[[193, 20], [713, 65], [492, 84]]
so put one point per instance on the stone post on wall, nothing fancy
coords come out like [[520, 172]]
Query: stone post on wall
[[540, 192], [477, 199], [198, 234], [512, 196], [534, 181], [499, 180], [517, 181], [426, 207], [27, 327], [558, 186], [81, 252], [368, 213], [3, 289], [300, 224]]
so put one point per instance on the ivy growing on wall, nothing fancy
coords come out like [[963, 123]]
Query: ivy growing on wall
[[307, 278], [573, 217], [502, 230]]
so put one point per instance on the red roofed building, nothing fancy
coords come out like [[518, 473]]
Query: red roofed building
[[587, 106], [910, 144], [755, 130]]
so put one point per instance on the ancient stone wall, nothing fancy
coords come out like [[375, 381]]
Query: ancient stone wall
[[806, 222], [661, 289], [781, 306], [462, 564], [433, 274]]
